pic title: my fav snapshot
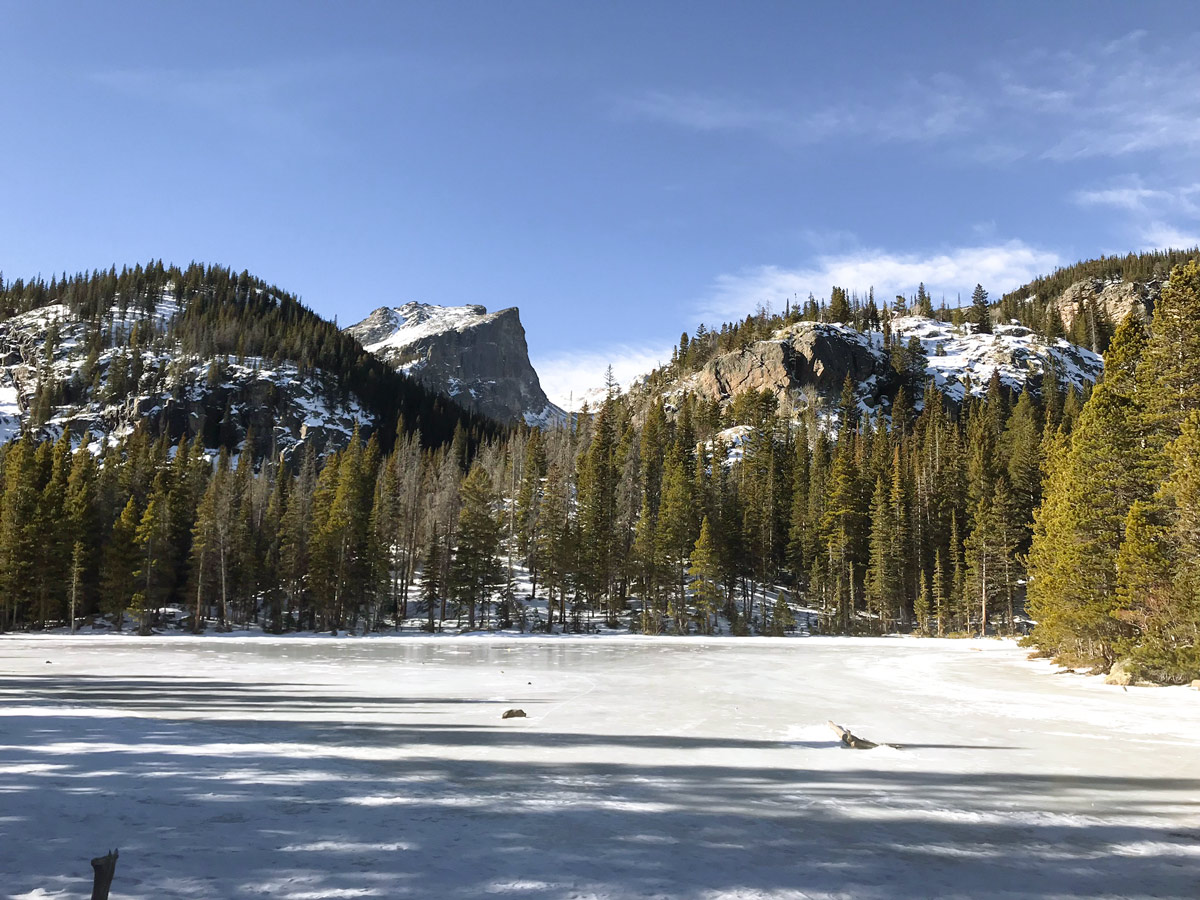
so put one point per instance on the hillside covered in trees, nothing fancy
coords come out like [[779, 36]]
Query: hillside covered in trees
[[200, 351]]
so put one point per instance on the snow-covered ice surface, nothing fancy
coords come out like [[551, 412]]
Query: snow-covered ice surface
[[647, 767]]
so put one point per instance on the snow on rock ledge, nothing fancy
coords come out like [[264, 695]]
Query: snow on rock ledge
[[479, 358]]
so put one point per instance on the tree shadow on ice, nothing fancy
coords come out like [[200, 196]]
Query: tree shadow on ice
[[281, 808], [460, 828]]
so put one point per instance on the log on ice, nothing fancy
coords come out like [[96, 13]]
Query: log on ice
[[851, 740]]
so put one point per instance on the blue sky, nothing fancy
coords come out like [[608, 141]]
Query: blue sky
[[621, 172]]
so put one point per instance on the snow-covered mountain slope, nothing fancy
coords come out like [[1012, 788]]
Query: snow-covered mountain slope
[[957, 355], [806, 364], [479, 358], [60, 373]]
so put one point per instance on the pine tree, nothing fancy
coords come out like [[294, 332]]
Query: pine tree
[[213, 543], [1169, 371], [881, 573], [705, 573], [648, 569], [475, 570], [152, 539], [121, 559], [83, 526], [18, 528], [922, 607], [1146, 589], [981, 314], [1090, 488], [54, 536], [673, 537], [597, 486], [839, 306], [431, 578]]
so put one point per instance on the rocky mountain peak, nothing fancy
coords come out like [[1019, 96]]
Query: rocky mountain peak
[[480, 359]]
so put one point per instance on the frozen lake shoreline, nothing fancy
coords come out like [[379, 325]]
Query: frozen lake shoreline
[[306, 767]]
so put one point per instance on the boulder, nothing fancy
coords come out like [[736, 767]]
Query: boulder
[[1121, 673], [1196, 685], [513, 714]]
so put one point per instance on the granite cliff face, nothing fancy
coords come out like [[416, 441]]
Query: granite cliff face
[[808, 356], [479, 358], [806, 364], [1116, 299]]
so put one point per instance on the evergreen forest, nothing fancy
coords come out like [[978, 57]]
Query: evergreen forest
[[1080, 514]]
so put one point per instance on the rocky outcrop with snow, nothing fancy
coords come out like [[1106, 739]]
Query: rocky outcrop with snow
[[807, 356], [108, 395], [959, 357], [479, 358], [807, 363]]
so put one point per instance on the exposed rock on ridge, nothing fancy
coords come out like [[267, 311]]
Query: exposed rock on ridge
[[808, 362], [480, 359], [808, 355], [1116, 299]]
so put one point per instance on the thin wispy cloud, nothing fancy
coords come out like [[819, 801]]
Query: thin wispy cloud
[[292, 100], [951, 273], [1113, 99], [282, 101], [569, 378], [1156, 217], [914, 111]]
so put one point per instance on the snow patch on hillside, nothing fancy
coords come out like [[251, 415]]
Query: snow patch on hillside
[[168, 378], [958, 354]]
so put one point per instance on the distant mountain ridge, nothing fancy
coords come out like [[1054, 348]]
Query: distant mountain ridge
[[202, 352], [479, 359]]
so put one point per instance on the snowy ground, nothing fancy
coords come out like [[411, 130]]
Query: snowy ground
[[647, 767]]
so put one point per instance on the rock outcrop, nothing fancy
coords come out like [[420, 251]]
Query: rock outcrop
[[809, 355], [1115, 299], [479, 358], [807, 363]]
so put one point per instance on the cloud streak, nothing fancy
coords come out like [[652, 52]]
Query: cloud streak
[[998, 267], [915, 111], [1113, 99], [1161, 217]]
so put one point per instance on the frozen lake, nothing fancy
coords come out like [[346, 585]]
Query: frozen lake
[[313, 768]]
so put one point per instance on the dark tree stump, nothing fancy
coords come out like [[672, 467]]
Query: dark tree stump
[[104, 868]]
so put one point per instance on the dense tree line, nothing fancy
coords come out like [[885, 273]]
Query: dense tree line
[[1115, 561], [633, 511]]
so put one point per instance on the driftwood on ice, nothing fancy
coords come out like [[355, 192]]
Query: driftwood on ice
[[853, 741]]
